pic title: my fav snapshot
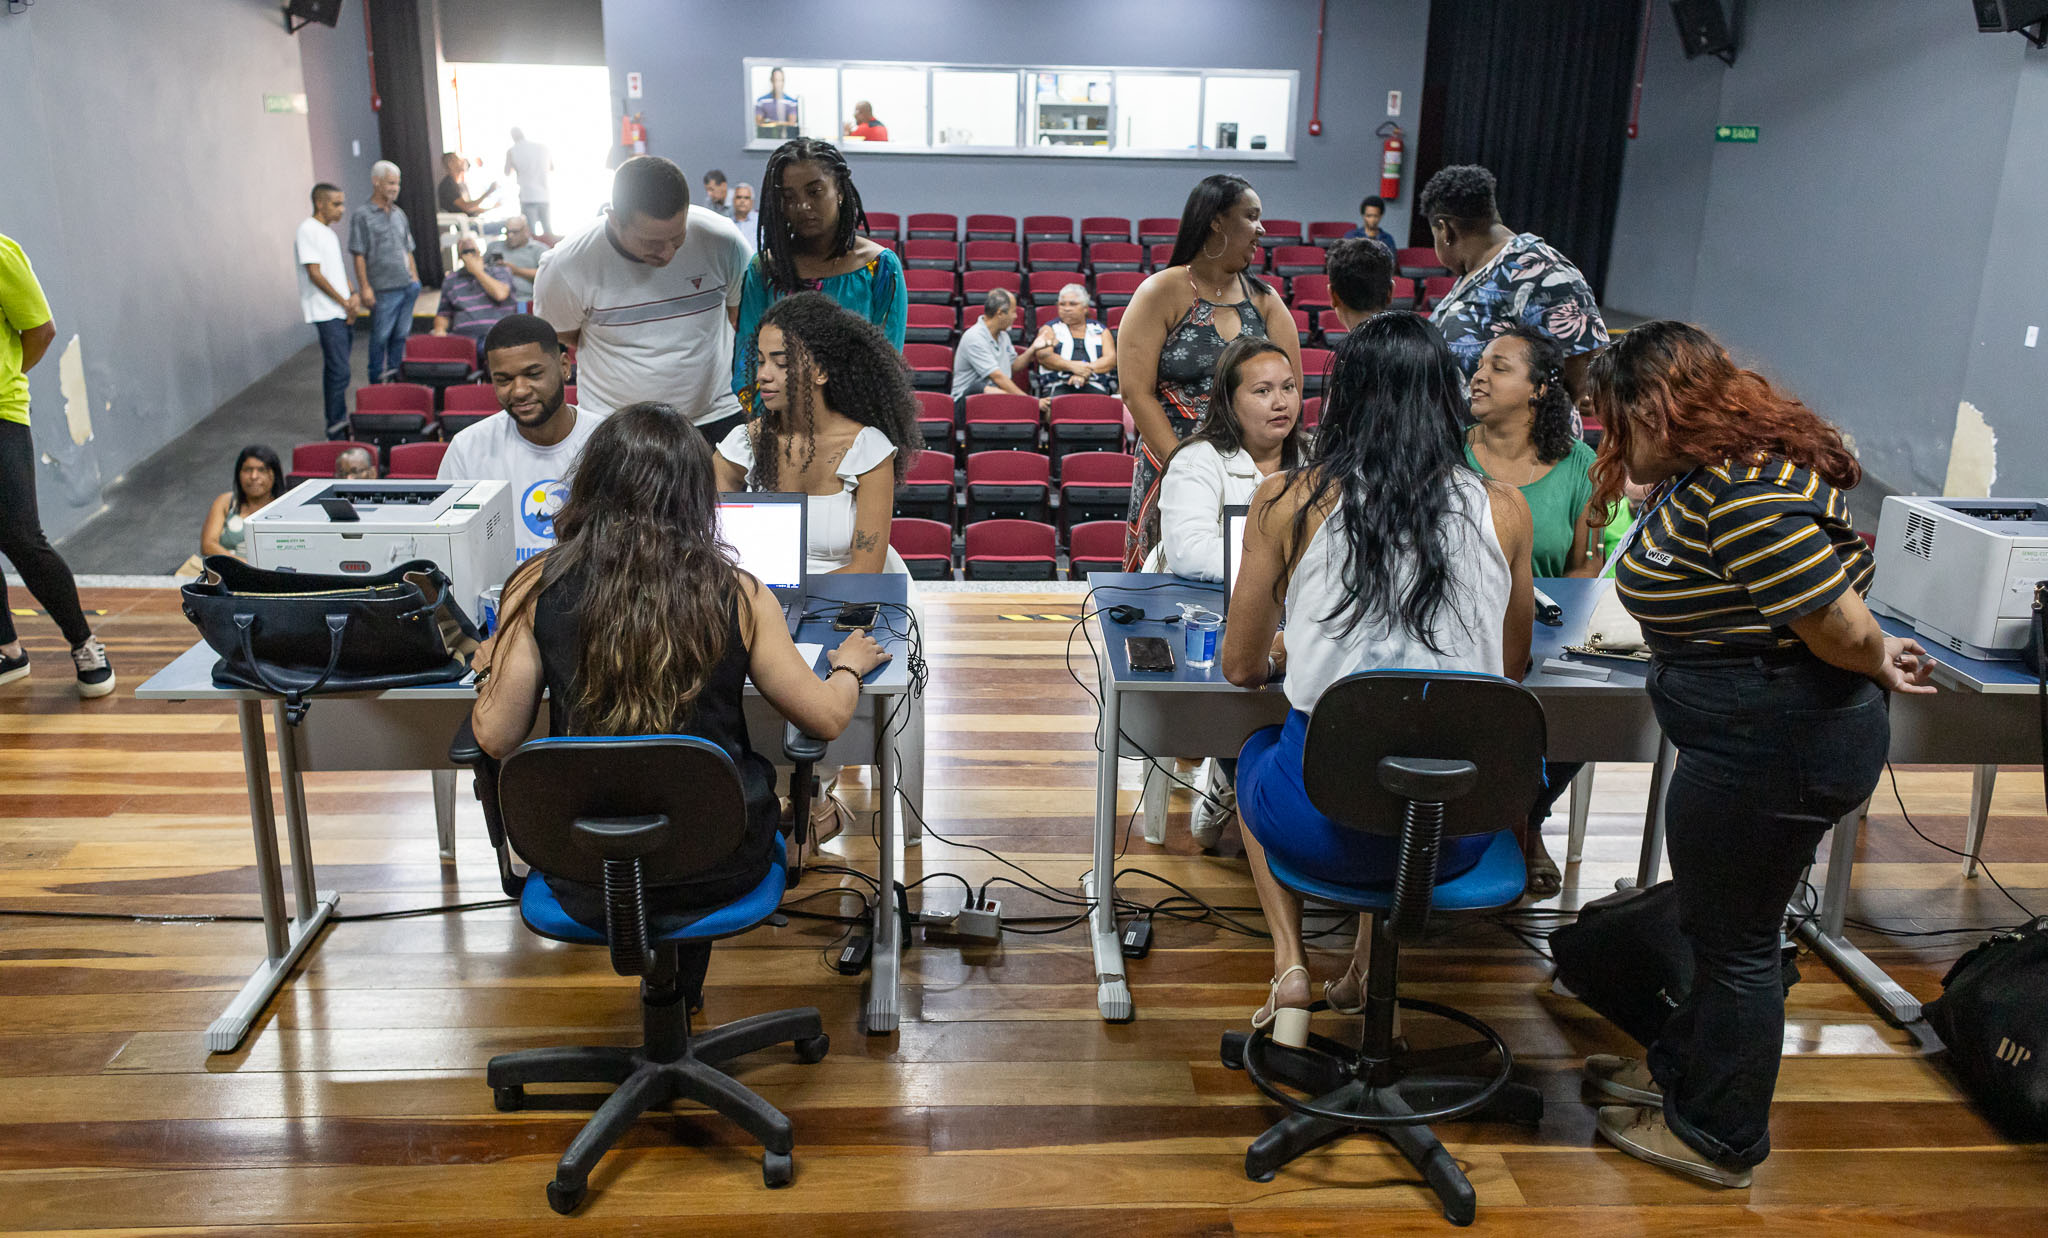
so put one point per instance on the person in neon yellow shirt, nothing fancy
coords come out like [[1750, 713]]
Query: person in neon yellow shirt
[[26, 333]]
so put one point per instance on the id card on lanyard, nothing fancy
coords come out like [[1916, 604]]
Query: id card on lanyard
[[1628, 540]]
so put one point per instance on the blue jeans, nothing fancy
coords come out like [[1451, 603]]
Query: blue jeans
[[390, 323], [1275, 807], [336, 338], [1771, 753]]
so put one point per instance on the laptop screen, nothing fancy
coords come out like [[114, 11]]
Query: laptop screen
[[767, 536], [1235, 517]]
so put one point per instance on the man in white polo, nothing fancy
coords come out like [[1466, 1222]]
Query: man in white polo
[[647, 298], [534, 441]]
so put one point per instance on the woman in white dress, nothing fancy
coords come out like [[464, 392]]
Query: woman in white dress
[[838, 423]]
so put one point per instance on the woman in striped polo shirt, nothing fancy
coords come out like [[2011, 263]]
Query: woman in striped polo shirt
[[1769, 675]]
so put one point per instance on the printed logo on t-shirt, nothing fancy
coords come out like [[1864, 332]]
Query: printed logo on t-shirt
[[538, 507], [696, 281]]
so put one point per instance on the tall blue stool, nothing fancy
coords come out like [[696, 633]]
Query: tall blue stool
[[626, 815], [1420, 756]]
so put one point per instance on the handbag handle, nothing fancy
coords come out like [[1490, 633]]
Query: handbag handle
[[445, 589], [294, 698]]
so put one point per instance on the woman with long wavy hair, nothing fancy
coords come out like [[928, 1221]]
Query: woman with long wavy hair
[[1769, 674], [637, 622], [1387, 550], [813, 237], [1177, 326]]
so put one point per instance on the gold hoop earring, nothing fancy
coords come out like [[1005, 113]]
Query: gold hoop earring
[[1206, 254]]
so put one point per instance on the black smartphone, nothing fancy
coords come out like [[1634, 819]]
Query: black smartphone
[[855, 616], [1148, 653]]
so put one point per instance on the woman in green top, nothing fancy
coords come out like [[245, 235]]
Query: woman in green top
[[1524, 437], [813, 238]]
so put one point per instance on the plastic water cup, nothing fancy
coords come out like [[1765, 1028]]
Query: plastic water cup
[[1201, 631], [487, 609]]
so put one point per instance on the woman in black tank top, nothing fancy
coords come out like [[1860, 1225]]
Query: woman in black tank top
[[637, 623]]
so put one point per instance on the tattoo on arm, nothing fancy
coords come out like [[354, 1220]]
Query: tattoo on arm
[[866, 541]]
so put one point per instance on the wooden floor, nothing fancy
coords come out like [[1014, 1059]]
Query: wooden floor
[[1003, 1106]]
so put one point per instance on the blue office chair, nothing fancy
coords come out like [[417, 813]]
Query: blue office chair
[[625, 815], [1421, 756]]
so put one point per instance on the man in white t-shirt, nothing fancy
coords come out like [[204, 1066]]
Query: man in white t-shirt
[[325, 299], [648, 298], [533, 443], [530, 162]]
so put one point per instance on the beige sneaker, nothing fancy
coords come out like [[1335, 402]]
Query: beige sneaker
[[1642, 1134], [1623, 1078]]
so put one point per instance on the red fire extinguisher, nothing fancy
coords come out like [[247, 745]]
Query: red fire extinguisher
[[633, 134], [1390, 160]]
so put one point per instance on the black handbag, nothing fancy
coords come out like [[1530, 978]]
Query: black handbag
[[1993, 1016], [300, 635]]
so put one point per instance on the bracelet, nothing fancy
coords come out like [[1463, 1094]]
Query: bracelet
[[849, 670]]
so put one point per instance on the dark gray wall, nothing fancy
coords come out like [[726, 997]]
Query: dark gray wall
[[343, 129], [690, 53], [1845, 252], [157, 200], [522, 31]]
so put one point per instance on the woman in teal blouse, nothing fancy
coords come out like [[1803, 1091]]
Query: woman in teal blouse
[[812, 238]]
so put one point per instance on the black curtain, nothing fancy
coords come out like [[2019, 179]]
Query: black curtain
[[1537, 92], [404, 126]]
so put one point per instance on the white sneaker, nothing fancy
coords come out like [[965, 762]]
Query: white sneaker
[[1213, 809], [95, 672]]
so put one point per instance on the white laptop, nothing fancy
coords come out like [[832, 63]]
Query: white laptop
[[1235, 517], [767, 533]]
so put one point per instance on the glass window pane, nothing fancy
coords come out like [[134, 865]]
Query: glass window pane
[[1070, 109], [1245, 113], [972, 108], [896, 96], [1157, 111], [805, 105]]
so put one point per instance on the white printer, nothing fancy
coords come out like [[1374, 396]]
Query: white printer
[[361, 528], [1962, 571]]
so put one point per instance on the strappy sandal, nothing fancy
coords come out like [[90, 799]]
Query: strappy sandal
[[1544, 879], [1333, 991], [1289, 1023], [829, 816]]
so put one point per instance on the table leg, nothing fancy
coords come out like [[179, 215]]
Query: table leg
[[1822, 932], [284, 941], [1158, 789], [444, 813], [1982, 780], [910, 769], [1582, 805], [1112, 989], [1653, 816], [885, 963]]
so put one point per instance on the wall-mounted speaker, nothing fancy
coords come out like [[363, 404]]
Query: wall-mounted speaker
[[1703, 29], [306, 12], [2001, 16]]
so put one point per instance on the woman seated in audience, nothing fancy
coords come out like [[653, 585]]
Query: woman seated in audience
[[813, 238], [1388, 550], [259, 478], [1177, 326], [1769, 674], [838, 423], [1523, 436], [637, 624], [1075, 354]]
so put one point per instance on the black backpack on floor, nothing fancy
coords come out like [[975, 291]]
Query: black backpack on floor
[[1993, 1016]]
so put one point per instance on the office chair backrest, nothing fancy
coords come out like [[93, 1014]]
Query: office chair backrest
[[1494, 723], [550, 784]]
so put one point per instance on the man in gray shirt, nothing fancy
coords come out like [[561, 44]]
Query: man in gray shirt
[[521, 254], [985, 357], [530, 162], [380, 242]]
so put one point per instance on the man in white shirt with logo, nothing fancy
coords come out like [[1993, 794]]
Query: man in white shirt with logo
[[325, 300], [533, 443], [648, 299]]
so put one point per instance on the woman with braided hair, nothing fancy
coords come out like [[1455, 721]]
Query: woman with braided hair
[[812, 237], [1523, 436]]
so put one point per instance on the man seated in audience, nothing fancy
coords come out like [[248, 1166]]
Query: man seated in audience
[[1361, 279], [864, 127], [452, 194], [520, 250], [475, 296], [1370, 212], [743, 216], [534, 442], [355, 464], [714, 193], [985, 357], [1075, 354]]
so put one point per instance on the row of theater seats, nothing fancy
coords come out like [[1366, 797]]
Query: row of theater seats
[[1005, 549], [1072, 422], [1111, 289], [401, 461], [1104, 257], [944, 324], [390, 414], [1153, 230]]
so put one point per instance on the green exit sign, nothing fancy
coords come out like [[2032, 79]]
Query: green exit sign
[[1735, 133]]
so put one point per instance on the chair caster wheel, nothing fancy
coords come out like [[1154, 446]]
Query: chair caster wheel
[[510, 1099], [563, 1198], [812, 1048], [777, 1169], [1232, 1051]]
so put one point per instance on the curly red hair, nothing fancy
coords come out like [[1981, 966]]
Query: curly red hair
[[1676, 383]]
